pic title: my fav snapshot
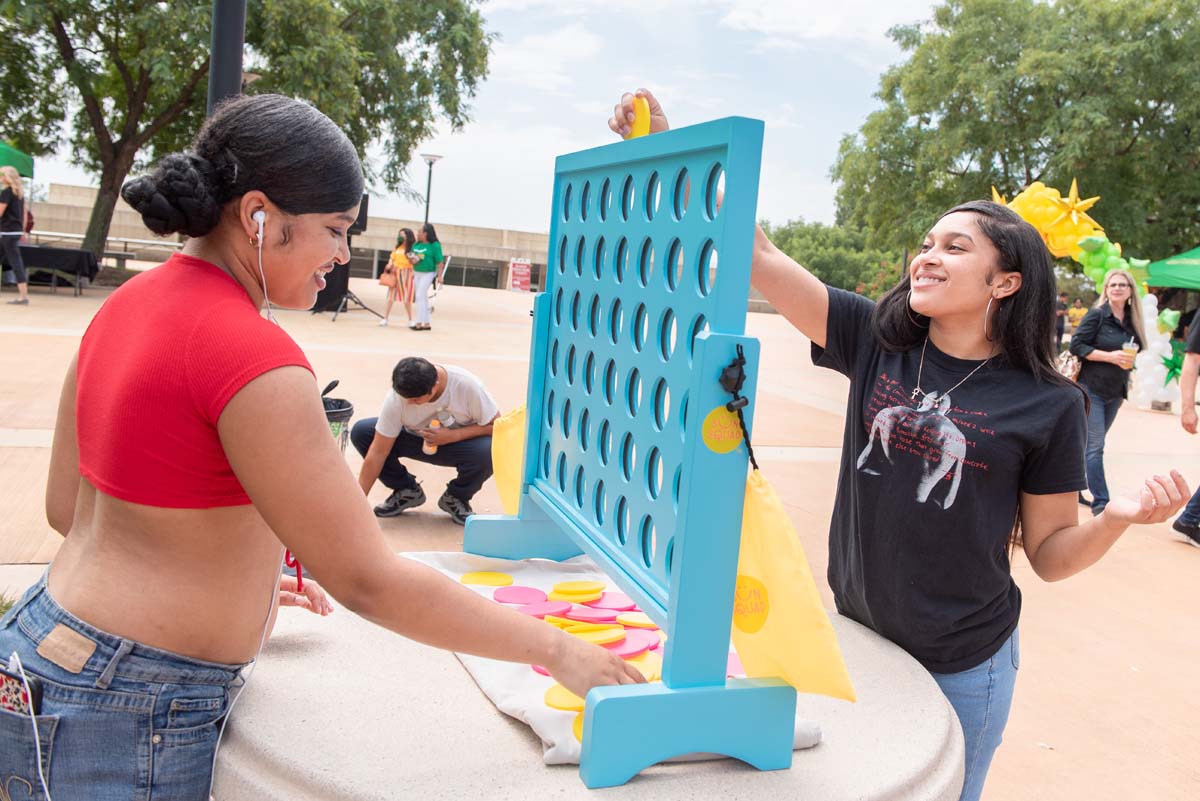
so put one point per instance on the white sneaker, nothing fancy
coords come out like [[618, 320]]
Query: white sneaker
[[383, 322]]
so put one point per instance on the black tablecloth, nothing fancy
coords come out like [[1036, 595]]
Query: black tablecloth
[[67, 261]]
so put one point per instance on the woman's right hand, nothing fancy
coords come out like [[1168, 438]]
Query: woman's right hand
[[579, 666], [1122, 359], [622, 118]]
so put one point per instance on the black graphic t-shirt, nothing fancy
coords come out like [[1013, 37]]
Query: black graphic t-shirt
[[929, 488], [13, 218]]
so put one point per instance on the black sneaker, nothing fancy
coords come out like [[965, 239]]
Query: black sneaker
[[1085, 501], [400, 500], [458, 509], [1192, 533]]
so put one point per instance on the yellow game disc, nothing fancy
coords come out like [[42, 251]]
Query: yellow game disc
[[614, 634], [487, 579], [637, 620], [577, 727], [559, 697], [648, 664], [559, 622], [579, 587], [579, 625], [576, 597]]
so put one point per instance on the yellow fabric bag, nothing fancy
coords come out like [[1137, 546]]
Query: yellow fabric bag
[[779, 626], [508, 457]]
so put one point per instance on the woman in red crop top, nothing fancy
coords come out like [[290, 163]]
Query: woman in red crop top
[[193, 460]]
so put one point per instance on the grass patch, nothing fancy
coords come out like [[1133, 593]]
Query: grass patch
[[6, 603]]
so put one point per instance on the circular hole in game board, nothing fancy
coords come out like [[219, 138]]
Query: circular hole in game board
[[580, 255], [550, 410], [576, 305], [598, 502], [667, 333], [616, 318], [605, 200], [589, 372], [641, 327], [675, 488], [646, 262], [584, 198], [647, 537], [571, 365], [679, 195], [670, 561], [633, 392], [654, 471], [621, 259], [562, 255], [653, 195], [706, 272], [562, 472], [585, 430], [558, 306], [662, 404], [628, 456], [566, 209], [604, 440], [546, 461], [594, 316], [579, 487], [683, 413], [714, 186], [699, 325], [674, 264], [554, 358], [566, 420], [621, 515], [610, 382], [598, 261], [627, 193]]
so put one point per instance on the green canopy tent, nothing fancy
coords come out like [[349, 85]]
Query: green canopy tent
[[1182, 271], [11, 157]]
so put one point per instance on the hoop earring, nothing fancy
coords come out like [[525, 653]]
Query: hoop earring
[[254, 241], [986, 313], [908, 311]]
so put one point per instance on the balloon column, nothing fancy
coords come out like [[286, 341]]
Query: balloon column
[[1062, 221], [1099, 257], [1152, 380]]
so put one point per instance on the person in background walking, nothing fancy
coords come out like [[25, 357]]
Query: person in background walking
[[1105, 342], [1076, 313], [1188, 522], [398, 275], [12, 228], [1060, 320], [427, 271]]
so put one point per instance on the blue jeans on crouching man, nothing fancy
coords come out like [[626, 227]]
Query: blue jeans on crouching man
[[471, 457]]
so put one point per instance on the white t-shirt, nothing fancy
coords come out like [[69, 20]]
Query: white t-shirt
[[464, 402]]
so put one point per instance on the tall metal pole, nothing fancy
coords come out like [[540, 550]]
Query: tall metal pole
[[428, 189], [225, 61]]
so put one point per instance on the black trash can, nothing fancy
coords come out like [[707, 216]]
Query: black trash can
[[338, 412]]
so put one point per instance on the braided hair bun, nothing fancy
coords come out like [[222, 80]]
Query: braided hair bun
[[176, 197]]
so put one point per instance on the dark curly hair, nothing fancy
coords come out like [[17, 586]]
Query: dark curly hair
[[414, 377], [282, 147]]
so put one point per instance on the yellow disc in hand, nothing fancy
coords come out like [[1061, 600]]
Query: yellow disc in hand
[[576, 597], [601, 636], [559, 622], [637, 620], [578, 587], [577, 727], [487, 579], [559, 697], [648, 664]]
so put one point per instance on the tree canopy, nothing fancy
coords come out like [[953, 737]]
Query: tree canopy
[[133, 74], [1007, 92], [838, 255]]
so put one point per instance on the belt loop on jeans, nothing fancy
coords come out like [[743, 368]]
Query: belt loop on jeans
[[106, 677]]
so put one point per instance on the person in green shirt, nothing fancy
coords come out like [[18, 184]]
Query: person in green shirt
[[428, 264]]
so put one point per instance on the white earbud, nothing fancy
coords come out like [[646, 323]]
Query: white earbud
[[260, 217]]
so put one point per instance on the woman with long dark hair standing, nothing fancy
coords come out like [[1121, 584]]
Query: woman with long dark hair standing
[[426, 271], [959, 433], [398, 275]]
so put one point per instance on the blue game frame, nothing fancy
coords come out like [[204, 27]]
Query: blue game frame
[[645, 300]]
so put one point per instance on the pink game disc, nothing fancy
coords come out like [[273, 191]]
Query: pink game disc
[[519, 595], [540, 669], [588, 615], [543, 608], [613, 600], [637, 641], [734, 666]]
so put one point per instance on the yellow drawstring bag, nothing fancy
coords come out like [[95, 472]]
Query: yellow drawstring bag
[[508, 457], [779, 626]]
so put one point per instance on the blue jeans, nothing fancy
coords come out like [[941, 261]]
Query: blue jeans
[[472, 458], [1100, 419], [981, 697], [1191, 513], [119, 720]]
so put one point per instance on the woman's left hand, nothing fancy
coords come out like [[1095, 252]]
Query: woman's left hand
[[313, 598], [1157, 501]]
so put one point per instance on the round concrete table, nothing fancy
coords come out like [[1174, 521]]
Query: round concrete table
[[341, 710]]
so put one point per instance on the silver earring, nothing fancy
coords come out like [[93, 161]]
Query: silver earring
[[987, 312], [908, 309]]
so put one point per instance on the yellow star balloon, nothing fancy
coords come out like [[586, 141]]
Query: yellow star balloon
[[1075, 208], [1062, 222]]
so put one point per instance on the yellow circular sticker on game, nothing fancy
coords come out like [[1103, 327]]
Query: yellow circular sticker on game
[[751, 605], [721, 431]]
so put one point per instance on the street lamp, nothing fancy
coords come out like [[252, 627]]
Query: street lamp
[[429, 159]]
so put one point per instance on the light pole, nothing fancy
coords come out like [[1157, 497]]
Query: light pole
[[429, 159], [225, 61]]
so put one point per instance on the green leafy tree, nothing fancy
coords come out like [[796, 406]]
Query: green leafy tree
[[838, 255], [1007, 92], [135, 75]]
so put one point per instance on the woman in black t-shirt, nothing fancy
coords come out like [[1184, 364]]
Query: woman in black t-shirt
[[12, 227], [959, 433]]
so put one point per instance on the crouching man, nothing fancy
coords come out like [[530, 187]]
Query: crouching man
[[422, 393]]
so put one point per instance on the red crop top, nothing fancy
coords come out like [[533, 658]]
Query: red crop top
[[156, 367]]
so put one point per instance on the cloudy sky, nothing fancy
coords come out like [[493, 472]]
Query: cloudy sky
[[808, 68]]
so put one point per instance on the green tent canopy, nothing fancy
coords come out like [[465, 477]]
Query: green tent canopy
[[11, 157], [1182, 270]]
